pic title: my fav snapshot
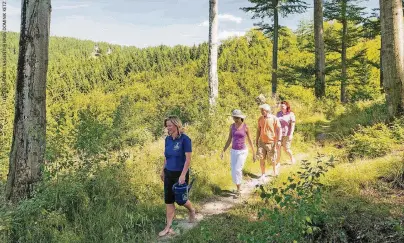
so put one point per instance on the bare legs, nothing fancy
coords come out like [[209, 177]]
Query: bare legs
[[191, 211], [288, 152], [262, 164], [170, 213]]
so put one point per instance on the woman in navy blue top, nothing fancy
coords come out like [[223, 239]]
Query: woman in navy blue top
[[177, 153]]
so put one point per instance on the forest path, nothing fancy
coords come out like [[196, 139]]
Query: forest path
[[223, 203]]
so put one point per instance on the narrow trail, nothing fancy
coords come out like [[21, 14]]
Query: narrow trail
[[223, 204]]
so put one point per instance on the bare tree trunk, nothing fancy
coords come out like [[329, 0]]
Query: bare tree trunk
[[275, 50], [343, 57], [381, 68], [391, 17], [28, 144], [319, 46], [213, 76]]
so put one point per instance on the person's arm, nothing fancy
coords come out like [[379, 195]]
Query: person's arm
[[250, 142], [187, 146], [164, 166], [292, 126], [227, 144], [258, 134], [279, 131], [186, 167]]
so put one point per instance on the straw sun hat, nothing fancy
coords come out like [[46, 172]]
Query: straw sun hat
[[238, 113]]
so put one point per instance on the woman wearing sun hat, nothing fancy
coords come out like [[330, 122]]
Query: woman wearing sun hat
[[237, 135]]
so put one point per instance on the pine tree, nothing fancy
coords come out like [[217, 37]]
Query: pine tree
[[264, 9], [344, 11]]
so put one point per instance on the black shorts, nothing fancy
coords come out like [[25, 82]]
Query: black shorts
[[170, 178]]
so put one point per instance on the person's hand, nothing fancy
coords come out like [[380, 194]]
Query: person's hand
[[162, 175], [181, 180], [254, 157], [221, 155], [278, 144]]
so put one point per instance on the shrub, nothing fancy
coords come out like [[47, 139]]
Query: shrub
[[364, 113], [296, 206], [397, 130], [297, 93], [370, 142]]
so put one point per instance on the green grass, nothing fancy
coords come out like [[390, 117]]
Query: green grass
[[118, 197], [360, 203]]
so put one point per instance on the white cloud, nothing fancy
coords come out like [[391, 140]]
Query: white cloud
[[226, 34], [229, 17], [66, 7], [204, 23], [223, 17]]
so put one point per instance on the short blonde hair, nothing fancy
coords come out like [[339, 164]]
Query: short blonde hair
[[176, 121]]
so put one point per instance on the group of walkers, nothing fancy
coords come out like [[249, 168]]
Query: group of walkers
[[273, 132]]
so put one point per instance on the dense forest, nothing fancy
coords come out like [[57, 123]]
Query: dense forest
[[157, 81], [105, 109]]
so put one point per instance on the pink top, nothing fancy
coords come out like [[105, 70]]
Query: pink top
[[238, 136], [286, 122]]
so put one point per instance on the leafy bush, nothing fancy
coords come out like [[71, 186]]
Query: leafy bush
[[364, 113], [297, 93], [82, 208], [397, 130], [370, 142], [296, 206]]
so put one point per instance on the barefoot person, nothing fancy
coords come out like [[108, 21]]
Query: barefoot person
[[238, 153], [268, 139], [177, 161], [287, 119]]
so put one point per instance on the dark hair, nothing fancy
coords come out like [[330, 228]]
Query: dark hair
[[287, 106], [242, 119]]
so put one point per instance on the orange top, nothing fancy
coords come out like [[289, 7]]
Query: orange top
[[268, 128]]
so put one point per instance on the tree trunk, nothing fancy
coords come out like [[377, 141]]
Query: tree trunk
[[381, 68], [343, 54], [391, 16], [319, 46], [28, 144], [213, 76], [275, 51]]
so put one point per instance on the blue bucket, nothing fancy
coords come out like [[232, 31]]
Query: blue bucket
[[181, 192]]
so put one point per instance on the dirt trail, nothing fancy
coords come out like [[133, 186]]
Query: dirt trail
[[222, 204]]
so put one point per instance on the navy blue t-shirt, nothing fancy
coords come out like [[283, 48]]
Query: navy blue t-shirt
[[175, 150]]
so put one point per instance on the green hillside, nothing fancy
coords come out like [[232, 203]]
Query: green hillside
[[105, 141]]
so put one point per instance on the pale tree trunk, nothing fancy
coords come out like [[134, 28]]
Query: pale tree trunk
[[391, 16], [343, 54], [213, 76], [319, 46], [28, 144], [275, 50]]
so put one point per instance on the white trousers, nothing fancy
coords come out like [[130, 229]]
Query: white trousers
[[237, 160]]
